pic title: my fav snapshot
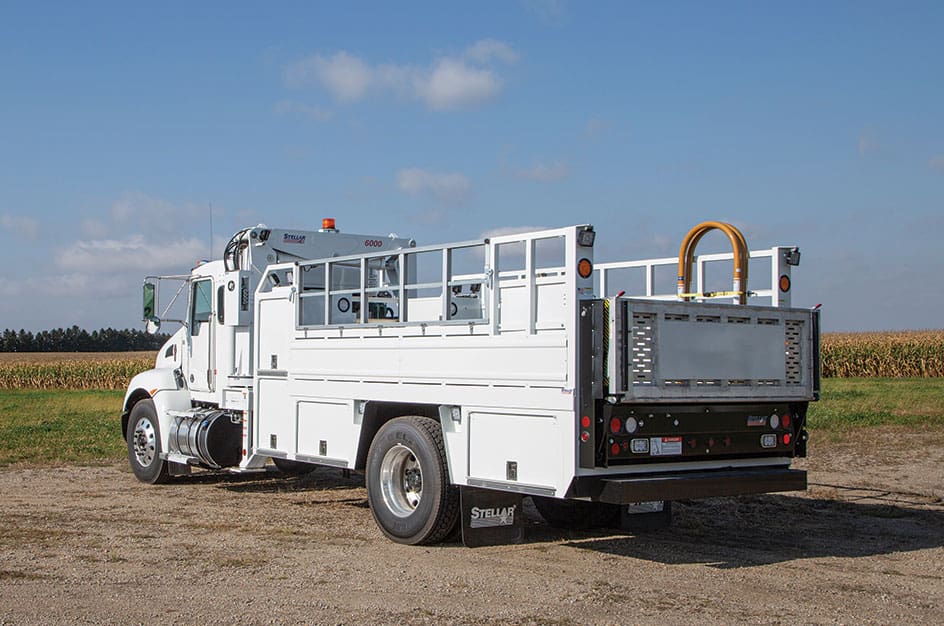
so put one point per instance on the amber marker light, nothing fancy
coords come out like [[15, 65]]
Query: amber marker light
[[584, 268]]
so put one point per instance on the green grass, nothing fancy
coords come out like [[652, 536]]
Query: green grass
[[849, 403], [56, 427]]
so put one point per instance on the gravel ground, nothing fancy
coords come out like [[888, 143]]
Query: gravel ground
[[865, 544]]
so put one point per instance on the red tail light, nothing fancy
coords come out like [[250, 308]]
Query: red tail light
[[615, 425], [787, 439]]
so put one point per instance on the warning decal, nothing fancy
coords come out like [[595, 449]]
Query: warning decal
[[665, 446]]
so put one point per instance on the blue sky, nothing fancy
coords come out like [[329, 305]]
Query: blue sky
[[819, 124]]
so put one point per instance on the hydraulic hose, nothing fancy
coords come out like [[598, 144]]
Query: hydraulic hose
[[687, 259]]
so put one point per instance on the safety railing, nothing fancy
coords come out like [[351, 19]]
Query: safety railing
[[776, 287], [410, 286]]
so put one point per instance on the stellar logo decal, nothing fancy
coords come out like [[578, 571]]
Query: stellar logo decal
[[495, 516], [293, 238]]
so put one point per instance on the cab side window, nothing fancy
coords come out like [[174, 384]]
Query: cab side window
[[201, 305]]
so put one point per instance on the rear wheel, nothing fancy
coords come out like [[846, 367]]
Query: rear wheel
[[576, 514], [144, 444], [408, 485]]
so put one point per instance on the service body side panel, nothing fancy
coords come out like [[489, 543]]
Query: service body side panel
[[274, 426], [520, 381], [513, 390]]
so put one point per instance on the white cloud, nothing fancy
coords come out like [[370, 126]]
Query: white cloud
[[447, 188], [134, 253], [20, 225], [77, 285], [454, 84], [544, 172], [135, 212], [937, 164], [306, 110], [344, 75], [101, 268], [448, 82]]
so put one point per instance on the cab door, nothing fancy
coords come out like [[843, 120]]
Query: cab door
[[202, 377]]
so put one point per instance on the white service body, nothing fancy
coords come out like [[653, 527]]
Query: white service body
[[313, 340]]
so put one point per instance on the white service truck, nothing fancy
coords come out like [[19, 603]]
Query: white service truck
[[460, 378]]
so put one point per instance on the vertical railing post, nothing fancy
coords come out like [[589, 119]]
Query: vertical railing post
[[700, 278], [529, 282], [446, 293], [401, 286], [780, 269], [363, 314], [494, 286]]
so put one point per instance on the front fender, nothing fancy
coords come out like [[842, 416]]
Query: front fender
[[160, 385]]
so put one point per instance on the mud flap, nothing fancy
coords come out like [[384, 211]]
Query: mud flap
[[490, 518], [643, 516]]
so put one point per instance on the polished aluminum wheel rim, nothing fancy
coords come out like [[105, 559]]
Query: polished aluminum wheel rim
[[144, 441], [401, 480]]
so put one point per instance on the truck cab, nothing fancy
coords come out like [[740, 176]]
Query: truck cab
[[208, 361]]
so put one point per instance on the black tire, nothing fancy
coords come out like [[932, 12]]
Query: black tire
[[408, 453], [576, 514], [293, 468], [144, 444]]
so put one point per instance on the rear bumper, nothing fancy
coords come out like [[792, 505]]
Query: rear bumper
[[688, 485]]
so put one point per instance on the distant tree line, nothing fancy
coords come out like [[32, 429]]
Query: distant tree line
[[76, 339]]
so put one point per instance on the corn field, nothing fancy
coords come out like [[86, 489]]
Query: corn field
[[73, 370], [900, 354]]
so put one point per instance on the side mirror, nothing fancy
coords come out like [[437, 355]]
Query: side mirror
[[153, 323], [148, 301]]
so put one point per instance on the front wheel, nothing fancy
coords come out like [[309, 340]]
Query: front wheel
[[408, 485], [144, 444]]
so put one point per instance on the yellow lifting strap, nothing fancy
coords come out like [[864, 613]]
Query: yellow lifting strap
[[711, 294], [687, 259]]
